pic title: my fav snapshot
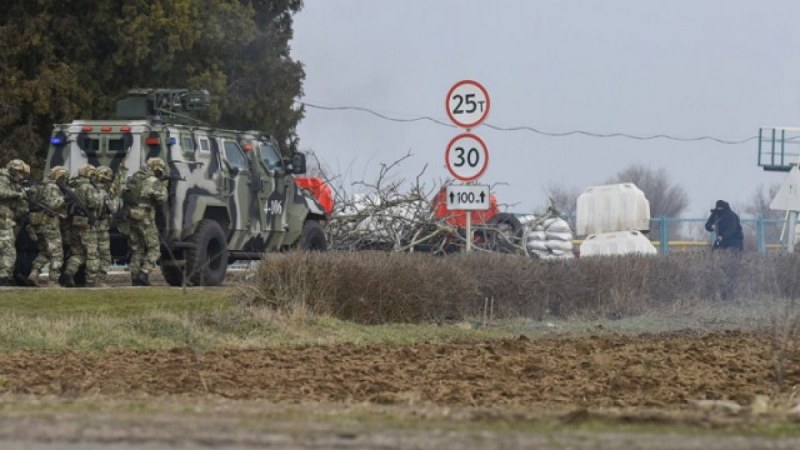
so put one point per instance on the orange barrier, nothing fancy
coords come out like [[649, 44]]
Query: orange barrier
[[319, 189]]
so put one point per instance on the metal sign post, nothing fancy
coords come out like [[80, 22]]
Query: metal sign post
[[467, 104], [469, 231]]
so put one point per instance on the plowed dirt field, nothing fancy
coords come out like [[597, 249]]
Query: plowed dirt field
[[512, 393], [646, 371]]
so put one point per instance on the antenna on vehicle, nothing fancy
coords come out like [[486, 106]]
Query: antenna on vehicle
[[160, 105]]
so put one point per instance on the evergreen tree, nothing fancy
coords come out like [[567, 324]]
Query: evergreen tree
[[70, 59]]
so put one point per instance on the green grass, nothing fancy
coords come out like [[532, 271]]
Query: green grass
[[119, 302], [162, 318]]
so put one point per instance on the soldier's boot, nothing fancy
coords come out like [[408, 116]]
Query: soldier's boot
[[33, 279], [137, 280], [67, 279], [144, 277], [19, 280]]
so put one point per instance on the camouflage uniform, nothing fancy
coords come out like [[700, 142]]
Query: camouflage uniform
[[45, 223], [12, 205], [102, 223], [144, 193], [81, 240]]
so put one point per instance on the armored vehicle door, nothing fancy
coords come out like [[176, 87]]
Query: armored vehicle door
[[237, 189], [272, 195]]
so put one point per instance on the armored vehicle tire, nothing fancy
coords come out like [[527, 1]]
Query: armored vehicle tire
[[505, 234], [313, 237], [172, 273], [207, 262]]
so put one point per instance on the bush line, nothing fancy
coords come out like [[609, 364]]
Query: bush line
[[373, 287]]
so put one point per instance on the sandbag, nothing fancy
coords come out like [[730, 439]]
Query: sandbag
[[540, 246], [557, 225], [558, 236], [543, 255], [537, 235], [564, 246]]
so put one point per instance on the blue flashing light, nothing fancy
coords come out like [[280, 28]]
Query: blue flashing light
[[56, 140], [172, 141]]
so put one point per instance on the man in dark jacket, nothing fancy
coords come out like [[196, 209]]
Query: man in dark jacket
[[725, 223]]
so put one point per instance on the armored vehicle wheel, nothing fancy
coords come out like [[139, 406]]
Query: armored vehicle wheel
[[505, 233], [172, 273], [313, 237], [206, 264]]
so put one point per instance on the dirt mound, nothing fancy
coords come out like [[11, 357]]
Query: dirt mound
[[659, 371]]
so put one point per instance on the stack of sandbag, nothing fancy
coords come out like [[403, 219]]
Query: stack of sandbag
[[549, 237]]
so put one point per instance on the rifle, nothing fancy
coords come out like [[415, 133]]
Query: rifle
[[76, 206], [34, 202], [116, 185]]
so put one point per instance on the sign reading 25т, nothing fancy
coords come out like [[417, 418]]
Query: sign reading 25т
[[467, 157], [467, 103]]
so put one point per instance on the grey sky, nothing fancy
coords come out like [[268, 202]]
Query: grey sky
[[684, 68]]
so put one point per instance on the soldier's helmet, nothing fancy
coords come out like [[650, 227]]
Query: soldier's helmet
[[58, 173], [104, 174], [18, 167], [86, 170], [157, 165]]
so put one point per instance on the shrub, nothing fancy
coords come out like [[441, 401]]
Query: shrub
[[373, 287]]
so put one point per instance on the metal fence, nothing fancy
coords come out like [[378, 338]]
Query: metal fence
[[761, 234]]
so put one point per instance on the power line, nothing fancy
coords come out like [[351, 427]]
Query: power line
[[377, 114], [536, 130]]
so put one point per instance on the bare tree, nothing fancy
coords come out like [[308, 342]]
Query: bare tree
[[758, 206], [666, 198], [564, 200]]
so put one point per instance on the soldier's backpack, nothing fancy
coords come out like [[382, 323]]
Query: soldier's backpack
[[132, 193]]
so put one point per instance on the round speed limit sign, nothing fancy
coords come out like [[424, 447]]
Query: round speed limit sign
[[467, 103], [467, 157]]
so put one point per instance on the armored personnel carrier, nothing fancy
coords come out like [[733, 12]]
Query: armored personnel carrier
[[232, 196]]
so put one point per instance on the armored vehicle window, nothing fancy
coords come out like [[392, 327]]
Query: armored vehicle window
[[91, 146], [116, 146], [234, 155], [204, 147], [270, 157], [188, 145]]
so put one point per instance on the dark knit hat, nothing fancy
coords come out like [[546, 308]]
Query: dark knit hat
[[721, 205]]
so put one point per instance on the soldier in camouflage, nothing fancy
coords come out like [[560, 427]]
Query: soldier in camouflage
[[102, 181], [12, 206], [82, 242], [47, 207], [144, 193]]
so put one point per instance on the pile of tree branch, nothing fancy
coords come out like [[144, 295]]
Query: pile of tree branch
[[396, 214]]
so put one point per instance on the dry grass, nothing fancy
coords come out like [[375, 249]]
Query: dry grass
[[372, 288]]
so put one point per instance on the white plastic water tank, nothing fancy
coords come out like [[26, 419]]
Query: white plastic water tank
[[612, 207], [616, 243]]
